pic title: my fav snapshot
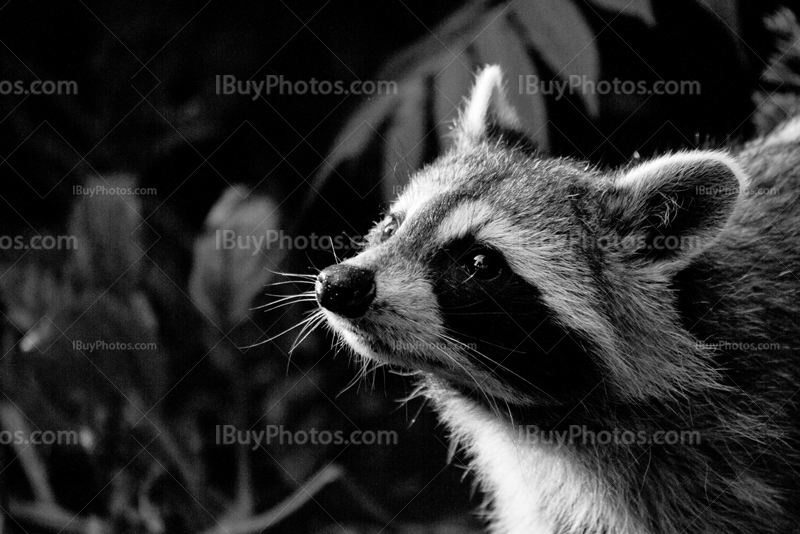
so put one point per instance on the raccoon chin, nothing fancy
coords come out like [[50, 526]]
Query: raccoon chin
[[358, 342], [485, 390], [363, 343]]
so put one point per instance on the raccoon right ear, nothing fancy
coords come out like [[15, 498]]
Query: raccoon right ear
[[488, 112], [667, 210]]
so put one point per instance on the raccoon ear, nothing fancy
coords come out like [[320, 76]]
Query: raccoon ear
[[667, 210], [488, 112]]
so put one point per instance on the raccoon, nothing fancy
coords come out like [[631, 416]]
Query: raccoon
[[569, 323]]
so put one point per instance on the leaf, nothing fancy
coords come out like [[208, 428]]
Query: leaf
[[559, 32], [357, 134], [641, 9], [106, 224], [431, 56], [498, 44], [477, 34], [405, 141], [728, 12], [27, 290], [234, 258], [454, 78]]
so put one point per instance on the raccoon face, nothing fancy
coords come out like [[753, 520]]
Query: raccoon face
[[534, 281]]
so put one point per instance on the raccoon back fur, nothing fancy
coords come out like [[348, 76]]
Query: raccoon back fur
[[617, 352]]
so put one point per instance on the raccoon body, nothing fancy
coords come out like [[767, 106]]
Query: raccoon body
[[569, 324]]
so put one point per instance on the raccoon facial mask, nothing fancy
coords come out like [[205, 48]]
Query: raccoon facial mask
[[510, 275]]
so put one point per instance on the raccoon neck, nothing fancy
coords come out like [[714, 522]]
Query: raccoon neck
[[540, 489], [543, 481]]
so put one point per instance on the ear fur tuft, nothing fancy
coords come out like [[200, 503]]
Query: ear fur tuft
[[488, 110]]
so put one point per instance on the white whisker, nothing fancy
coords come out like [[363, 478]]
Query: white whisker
[[317, 317]]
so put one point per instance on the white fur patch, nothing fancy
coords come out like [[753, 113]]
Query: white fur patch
[[342, 327], [465, 219], [417, 194], [529, 482]]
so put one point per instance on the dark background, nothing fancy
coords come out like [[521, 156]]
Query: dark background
[[147, 269]]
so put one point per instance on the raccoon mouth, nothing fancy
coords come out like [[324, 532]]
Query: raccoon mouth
[[371, 346], [360, 340]]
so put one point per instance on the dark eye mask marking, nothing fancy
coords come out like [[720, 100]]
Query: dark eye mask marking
[[503, 318]]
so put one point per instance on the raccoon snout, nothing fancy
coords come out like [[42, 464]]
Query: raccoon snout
[[345, 290]]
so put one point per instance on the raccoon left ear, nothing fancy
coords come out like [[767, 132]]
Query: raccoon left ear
[[667, 210], [488, 111]]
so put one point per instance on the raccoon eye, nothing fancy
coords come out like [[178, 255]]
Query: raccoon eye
[[483, 264], [389, 228]]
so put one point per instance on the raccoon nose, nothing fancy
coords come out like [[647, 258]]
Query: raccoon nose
[[345, 290]]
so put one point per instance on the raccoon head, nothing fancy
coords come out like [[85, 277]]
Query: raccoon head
[[535, 281]]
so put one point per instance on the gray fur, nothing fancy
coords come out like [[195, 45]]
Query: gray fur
[[662, 331]]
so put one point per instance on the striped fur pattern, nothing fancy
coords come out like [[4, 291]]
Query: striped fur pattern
[[539, 296]]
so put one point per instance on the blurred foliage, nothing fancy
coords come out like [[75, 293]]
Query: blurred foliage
[[146, 271], [147, 335]]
